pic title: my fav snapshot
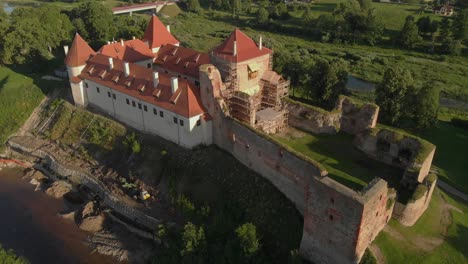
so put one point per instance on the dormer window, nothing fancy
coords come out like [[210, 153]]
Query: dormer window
[[178, 60], [186, 64], [128, 82], [252, 69], [91, 69], [174, 52]]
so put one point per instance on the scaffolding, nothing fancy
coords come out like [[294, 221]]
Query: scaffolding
[[243, 106], [273, 93]]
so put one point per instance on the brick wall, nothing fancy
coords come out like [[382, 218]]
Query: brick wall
[[338, 222]]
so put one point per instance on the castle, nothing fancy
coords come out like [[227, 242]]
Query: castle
[[231, 97]]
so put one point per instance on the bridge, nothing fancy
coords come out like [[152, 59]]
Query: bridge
[[156, 6]]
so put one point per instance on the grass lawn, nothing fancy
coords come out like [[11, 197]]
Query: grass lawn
[[344, 163], [19, 95], [439, 236], [450, 158], [170, 10]]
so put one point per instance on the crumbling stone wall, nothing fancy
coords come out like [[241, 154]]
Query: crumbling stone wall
[[350, 116], [356, 117], [339, 223], [313, 119], [398, 149], [408, 214]]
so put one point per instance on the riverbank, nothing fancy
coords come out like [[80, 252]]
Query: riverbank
[[62, 212]]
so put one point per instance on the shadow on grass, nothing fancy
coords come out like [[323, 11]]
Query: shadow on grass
[[459, 241], [3, 82]]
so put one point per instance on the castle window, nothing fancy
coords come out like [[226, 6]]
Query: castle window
[[145, 108], [377, 214], [148, 65], [155, 112], [139, 106], [175, 120], [161, 113], [198, 122], [332, 200], [331, 217], [197, 83], [113, 96], [133, 103], [128, 101], [98, 90], [252, 69], [181, 122], [86, 85], [108, 94]]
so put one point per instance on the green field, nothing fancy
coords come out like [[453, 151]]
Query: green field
[[450, 158], [343, 161], [170, 10], [391, 14], [204, 32], [439, 236], [19, 95]]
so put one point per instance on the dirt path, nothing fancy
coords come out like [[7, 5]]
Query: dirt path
[[377, 254], [451, 190], [426, 243]]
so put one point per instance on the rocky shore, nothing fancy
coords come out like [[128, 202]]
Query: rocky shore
[[105, 235]]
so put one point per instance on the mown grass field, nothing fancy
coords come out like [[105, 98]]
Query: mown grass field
[[342, 160], [19, 95], [439, 236]]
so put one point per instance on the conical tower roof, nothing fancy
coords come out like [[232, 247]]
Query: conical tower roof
[[79, 52], [246, 48], [157, 34]]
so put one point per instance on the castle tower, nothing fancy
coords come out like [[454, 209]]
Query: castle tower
[[242, 63], [75, 61], [157, 35]]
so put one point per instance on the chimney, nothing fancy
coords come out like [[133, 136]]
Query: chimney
[[65, 48], [260, 43], [168, 27], [108, 42], [127, 69], [133, 37], [174, 84], [122, 42], [235, 48], [111, 63], [155, 79]]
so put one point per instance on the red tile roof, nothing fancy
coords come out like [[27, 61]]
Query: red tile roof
[[246, 48], [181, 60], [131, 51], [79, 52], [139, 84], [157, 35]]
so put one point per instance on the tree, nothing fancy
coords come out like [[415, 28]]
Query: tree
[[426, 107], [193, 239], [409, 37], [193, 5], [34, 33], [460, 25], [445, 26], [247, 235], [365, 4], [450, 46], [98, 21], [328, 80], [262, 16], [391, 93], [424, 24]]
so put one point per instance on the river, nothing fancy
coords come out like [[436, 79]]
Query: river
[[30, 225]]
